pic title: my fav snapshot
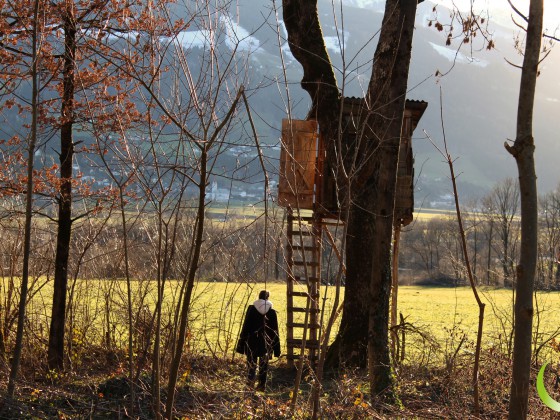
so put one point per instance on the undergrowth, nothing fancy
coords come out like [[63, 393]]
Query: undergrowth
[[215, 388]]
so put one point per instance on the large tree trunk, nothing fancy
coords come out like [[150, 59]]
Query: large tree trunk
[[55, 355], [373, 191], [523, 152], [386, 97], [370, 226]]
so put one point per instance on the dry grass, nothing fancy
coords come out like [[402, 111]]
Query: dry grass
[[218, 309], [432, 384], [214, 388]]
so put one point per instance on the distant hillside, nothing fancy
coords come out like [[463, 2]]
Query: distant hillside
[[480, 95]]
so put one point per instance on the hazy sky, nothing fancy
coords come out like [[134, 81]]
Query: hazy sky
[[500, 10]]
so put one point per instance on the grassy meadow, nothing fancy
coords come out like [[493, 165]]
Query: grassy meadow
[[239, 211], [436, 306], [443, 312], [449, 312], [434, 380], [218, 308]]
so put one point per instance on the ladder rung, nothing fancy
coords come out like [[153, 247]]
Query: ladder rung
[[331, 222], [302, 233], [308, 263], [303, 294], [302, 325], [296, 217], [311, 310], [304, 248], [309, 344]]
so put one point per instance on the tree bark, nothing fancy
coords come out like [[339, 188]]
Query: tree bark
[[373, 197], [16, 357], [395, 289], [55, 357], [306, 42], [386, 99], [523, 152], [370, 218], [190, 277]]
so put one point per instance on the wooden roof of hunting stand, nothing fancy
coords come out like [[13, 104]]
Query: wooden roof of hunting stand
[[306, 184]]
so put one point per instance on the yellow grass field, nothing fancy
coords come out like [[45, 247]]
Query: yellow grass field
[[435, 309], [237, 211], [428, 214], [218, 309]]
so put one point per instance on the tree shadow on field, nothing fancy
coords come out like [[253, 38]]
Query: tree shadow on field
[[441, 281]]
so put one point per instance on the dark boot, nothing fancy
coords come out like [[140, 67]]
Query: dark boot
[[263, 370]]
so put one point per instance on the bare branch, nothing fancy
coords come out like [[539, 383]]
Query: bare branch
[[516, 10], [520, 26], [552, 37], [514, 65]]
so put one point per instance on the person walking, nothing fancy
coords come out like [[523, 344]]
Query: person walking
[[259, 339]]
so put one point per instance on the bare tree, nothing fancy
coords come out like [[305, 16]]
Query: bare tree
[[63, 77], [501, 210], [197, 103], [523, 152], [425, 240], [36, 31], [549, 240]]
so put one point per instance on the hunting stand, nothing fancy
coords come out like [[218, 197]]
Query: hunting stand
[[307, 189]]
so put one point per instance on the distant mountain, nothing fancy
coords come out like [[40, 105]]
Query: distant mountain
[[479, 92]]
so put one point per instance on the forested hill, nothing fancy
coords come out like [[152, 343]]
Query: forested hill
[[479, 93]]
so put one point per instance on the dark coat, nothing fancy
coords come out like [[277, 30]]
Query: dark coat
[[259, 335]]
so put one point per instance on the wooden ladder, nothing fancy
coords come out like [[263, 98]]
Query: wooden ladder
[[303, 283]]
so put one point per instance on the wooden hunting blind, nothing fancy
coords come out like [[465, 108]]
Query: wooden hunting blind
[[404, 200], [298, 164], [304, 184], [308, 190]]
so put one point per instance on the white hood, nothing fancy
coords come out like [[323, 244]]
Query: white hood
[[263, 306]]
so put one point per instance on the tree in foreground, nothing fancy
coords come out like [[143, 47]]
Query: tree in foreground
[[523, 151], [191, 97], [35, 29], [366, 169]]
